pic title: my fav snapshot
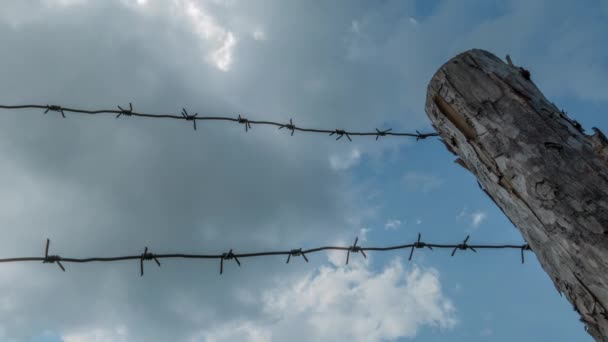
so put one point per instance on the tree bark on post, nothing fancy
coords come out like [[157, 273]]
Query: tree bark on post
[[538, 166]]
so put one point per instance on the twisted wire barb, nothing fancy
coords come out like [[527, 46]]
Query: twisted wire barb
[[355, 249], [184, 115], [463, 246], [289, 253], [146, 256], [296, 252], [418, 244], [51, 259], [228, 256]]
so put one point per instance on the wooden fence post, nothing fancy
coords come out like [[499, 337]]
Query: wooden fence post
[[537, 165]]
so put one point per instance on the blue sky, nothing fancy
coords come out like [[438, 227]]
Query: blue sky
[[101, 186]]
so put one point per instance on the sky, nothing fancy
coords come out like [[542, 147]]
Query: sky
[[102, 186]]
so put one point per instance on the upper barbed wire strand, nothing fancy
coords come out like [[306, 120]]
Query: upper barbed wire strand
[[239, 119]]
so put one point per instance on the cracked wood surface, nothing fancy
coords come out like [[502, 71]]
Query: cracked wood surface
[[538, 166]]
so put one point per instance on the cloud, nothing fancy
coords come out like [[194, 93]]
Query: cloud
[[344, 162], [235, 331], [363, 234], [477, 218], [207, 28], [259, 34], [392, 224], [416, 181], [345, 303], [117, 334], [105, 186]]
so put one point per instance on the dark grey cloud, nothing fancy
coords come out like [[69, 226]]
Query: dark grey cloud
[[105, 186]]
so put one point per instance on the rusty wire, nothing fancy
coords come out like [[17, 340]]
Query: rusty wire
[[230, 255], [184, 115]]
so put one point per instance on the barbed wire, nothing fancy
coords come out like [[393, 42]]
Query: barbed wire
[[230, 255], [184, 115]]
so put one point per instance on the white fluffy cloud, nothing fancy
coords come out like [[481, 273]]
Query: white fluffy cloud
[[345, 303], [392, 224], [477, 218], [345, 161]]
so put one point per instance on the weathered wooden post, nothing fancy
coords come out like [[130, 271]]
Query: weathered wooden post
[[537, 165]]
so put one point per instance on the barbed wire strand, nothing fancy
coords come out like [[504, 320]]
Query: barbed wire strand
[[184, 115], [230, 255]]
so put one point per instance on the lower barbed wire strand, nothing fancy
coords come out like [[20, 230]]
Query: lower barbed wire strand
[[289, 253]]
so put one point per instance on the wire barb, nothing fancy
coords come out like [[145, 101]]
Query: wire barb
[[50, 259], [354, 248], [463, 246], [189, 117], [422, 136], [525, 247], [245, 122], [290, 126], [146, 256], [382, 133], [340, 133], [296, 252], [55, 108], [228, 256], [127, 112], [418, 244]]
